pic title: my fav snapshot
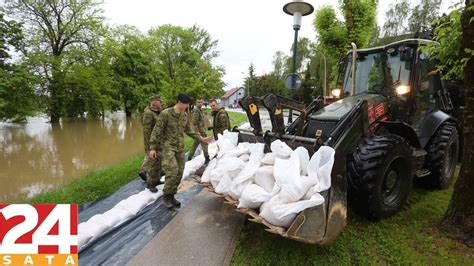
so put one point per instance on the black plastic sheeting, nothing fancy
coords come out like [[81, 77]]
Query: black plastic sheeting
[[119, 244]]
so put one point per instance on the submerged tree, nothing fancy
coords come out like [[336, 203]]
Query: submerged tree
[[54, 29]]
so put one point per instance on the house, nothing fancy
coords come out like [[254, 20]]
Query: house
[[230, 98]]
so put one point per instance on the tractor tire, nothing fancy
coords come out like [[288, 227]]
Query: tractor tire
[[443, 151], [380, 176]]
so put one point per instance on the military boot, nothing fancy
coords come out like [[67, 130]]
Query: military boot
[[152, 188], [207, 160], [175, 202], [168, 201]]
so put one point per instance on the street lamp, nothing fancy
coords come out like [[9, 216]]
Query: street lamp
[[297, 9]]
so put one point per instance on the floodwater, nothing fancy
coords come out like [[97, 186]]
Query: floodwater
[[38, 156]]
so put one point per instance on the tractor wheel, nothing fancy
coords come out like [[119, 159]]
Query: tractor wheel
[[443, 150], [380, 175]]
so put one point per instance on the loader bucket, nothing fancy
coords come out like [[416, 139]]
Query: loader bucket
[[320, 224]]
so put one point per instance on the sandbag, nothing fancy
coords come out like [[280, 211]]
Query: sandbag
[[280, 149], [268, 159], [281, 214], [245, 176], [303, 157], [206, 176], [244, 157], [320, 167], [264, 177], [253, 196]]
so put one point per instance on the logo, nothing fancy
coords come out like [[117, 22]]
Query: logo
[[38, 234]]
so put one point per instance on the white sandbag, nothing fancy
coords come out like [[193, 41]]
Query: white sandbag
[[244, 146], [229, 166], [83, 234], [287, 171], [257, 148], [264, 177], [232, 153], [96, 225], [303, 156], [248, 172], [283, 215], [116, 216], [206, 176], [190, 167], [253, 196], [133, 204], [320, 167], [227, 141], [244, 157], [280, 149], [224, 185], [268, 159]]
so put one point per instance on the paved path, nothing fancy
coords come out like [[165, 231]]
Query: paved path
[[204, 233]]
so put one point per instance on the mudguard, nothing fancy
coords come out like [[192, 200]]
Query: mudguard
[[430, 124]]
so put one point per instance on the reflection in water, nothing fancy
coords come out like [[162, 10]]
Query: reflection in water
[[37, 156]]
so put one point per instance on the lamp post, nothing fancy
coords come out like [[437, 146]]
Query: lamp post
[[297, 9]]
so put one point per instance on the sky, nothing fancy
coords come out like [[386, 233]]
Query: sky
[[247, 31]]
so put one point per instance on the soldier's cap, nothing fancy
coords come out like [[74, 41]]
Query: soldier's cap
[[154, 98]]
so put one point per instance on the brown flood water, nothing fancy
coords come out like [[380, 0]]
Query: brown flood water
[[38, 156]]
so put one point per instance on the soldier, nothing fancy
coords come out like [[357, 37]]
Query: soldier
[[169, 129], [198, 127], [151, 168], [221, 119]]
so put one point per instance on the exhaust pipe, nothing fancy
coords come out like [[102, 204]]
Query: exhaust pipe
[[354, 60]]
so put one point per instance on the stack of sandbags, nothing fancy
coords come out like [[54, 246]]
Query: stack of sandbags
[[279, 184]]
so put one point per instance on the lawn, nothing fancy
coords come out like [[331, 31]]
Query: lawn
[[410, 237]]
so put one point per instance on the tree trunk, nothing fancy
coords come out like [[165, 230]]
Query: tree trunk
[[459, 219], [56, 99]]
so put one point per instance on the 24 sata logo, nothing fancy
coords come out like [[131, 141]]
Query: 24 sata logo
[[38, 234]]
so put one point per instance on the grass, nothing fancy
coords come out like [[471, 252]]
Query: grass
[[410, 237], [106, 181]]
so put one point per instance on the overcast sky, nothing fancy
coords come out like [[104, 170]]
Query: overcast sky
[[247, 31]]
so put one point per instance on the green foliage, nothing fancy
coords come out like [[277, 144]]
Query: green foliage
[[17, 97], [410, 17], [448, 33], [184, 58], [359, 18], [332, 34], [251, 83]]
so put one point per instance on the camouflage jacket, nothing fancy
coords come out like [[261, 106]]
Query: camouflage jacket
[[169, 129], [150, 117], [221, 121], [198, 119]]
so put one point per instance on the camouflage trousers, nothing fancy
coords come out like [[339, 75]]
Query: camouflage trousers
[[173, 165], [153, 168], [196, 143]]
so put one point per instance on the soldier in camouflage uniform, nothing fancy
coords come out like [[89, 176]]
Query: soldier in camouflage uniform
[[197, 117], [151, 168], [169, 129], [221, 119]]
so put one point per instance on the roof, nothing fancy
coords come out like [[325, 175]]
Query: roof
[[230, 92]]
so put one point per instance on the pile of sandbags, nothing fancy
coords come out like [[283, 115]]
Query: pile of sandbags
[[279, 184]]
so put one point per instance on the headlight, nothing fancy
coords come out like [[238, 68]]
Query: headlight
[[402, 89], [336, 93]]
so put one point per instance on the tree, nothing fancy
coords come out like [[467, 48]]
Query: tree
[[251, 83], [53, 28], [402, 18], [335, 36], [460, 215], [17, 97], [184, 57]]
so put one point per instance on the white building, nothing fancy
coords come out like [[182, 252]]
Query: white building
[[231, 97]]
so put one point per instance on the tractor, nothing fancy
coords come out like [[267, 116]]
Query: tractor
[[392, 127]]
